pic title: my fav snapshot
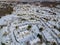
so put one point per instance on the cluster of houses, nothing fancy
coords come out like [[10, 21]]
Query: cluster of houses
[[31, 25]]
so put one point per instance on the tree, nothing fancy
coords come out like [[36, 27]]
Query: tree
[[2, 43], [23, 19], [1, 27], [31, 18], [54, 43], [39, 36], [17, 27], [24, 2], [40, 29], [29, 26], [57, 28]]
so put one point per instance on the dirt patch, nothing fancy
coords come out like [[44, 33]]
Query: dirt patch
[[49, 4], [5, 9]]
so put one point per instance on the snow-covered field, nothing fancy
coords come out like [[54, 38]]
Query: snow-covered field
[[31, 25]]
